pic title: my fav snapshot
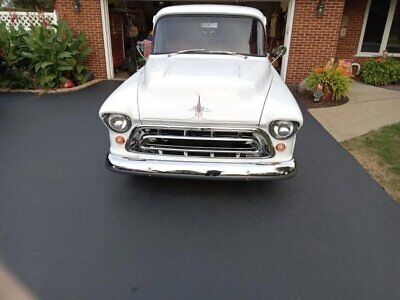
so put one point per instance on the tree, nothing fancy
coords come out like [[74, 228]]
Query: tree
[[32, 5]]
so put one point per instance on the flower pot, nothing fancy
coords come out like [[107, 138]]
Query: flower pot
[[328, 96]]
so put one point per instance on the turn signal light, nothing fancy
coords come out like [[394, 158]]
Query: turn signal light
[[280, 147], [120, 139]]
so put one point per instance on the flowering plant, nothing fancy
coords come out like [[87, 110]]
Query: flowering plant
[[332, 80]]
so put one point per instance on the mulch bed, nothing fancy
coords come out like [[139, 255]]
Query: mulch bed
[[394, 87], [306, 98], [53, 91]]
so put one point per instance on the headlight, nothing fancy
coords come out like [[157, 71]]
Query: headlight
[[117, 122], [282, 129]]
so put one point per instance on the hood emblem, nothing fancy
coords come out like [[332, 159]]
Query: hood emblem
[[199, 109]]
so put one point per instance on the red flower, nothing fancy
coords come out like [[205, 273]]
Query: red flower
[[13, 17]]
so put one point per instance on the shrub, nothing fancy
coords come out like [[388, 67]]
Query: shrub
[[332, 80], [13, 66], [42, 57], [381, 71], [393, 66], [24, 5]]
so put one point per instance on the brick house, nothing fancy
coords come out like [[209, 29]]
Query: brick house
[[313, 30]]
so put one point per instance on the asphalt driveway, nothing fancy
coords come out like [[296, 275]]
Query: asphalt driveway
[[70, 229]]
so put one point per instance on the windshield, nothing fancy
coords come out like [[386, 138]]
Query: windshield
[[238, 34]]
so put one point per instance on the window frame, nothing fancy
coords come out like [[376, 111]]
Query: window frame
[[386, 32], [217, 15]]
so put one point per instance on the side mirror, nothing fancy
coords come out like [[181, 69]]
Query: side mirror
[[281, 51], [140, 49]]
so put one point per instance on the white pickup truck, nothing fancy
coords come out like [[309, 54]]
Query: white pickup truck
[[207, 103]]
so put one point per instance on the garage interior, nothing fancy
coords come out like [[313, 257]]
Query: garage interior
[[132, 21]]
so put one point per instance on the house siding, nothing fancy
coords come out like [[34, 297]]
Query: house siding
[[314, 39], [87, 20]]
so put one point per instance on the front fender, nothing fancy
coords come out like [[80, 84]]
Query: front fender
[[124, 99], [280, 104]]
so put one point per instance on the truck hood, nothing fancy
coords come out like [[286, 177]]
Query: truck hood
[[208, 89]]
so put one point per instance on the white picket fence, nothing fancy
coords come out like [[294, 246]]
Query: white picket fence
[[27, 19]]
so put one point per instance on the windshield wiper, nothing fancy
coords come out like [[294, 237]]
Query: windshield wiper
[[227, 52], [187, 51], [207, 51]]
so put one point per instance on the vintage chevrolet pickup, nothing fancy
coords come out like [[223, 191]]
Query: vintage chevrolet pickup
[[207, 103]]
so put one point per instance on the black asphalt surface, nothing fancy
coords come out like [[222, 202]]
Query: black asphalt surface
[[70, 229]]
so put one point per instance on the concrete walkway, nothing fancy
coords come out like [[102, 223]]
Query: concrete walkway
[[369, 108]]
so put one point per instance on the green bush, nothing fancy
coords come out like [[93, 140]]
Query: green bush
[[393, 66], [42, 57], [24, 5], [13, 69], [381, 71], [332, 81]]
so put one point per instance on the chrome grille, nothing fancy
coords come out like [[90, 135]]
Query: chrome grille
[[199, 142]]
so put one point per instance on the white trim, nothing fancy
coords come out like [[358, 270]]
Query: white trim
[[386, 32], [368, 54], [55, 16], [288, 37], [388, 26], [363, 27], [27, 19], [107, 38]]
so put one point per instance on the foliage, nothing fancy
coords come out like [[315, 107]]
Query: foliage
[[31, 5], [331, 80], [43, 57], [381, 71]]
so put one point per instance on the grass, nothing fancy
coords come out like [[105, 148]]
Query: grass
[[379, 153]]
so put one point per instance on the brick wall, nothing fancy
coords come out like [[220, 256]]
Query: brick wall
[[88, 20], [314, 39], [348, 45]]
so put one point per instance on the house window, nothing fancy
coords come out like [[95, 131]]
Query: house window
[[393, 44], [381, 29]]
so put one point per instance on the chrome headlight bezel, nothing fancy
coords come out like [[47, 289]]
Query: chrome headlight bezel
[[282, 129], [109, 121]]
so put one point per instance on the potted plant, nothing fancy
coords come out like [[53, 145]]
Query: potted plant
[[331, 81]]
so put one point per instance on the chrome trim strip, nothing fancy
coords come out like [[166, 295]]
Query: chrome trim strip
[[198, 138], [202, 170], [197, 127], [184, 148], [198, 150]]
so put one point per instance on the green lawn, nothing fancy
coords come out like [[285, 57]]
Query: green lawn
[[379, 152]]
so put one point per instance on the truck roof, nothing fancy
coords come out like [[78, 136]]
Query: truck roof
[[211, 9]]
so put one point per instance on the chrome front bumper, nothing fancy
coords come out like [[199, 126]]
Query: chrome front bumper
[[205, 170]]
